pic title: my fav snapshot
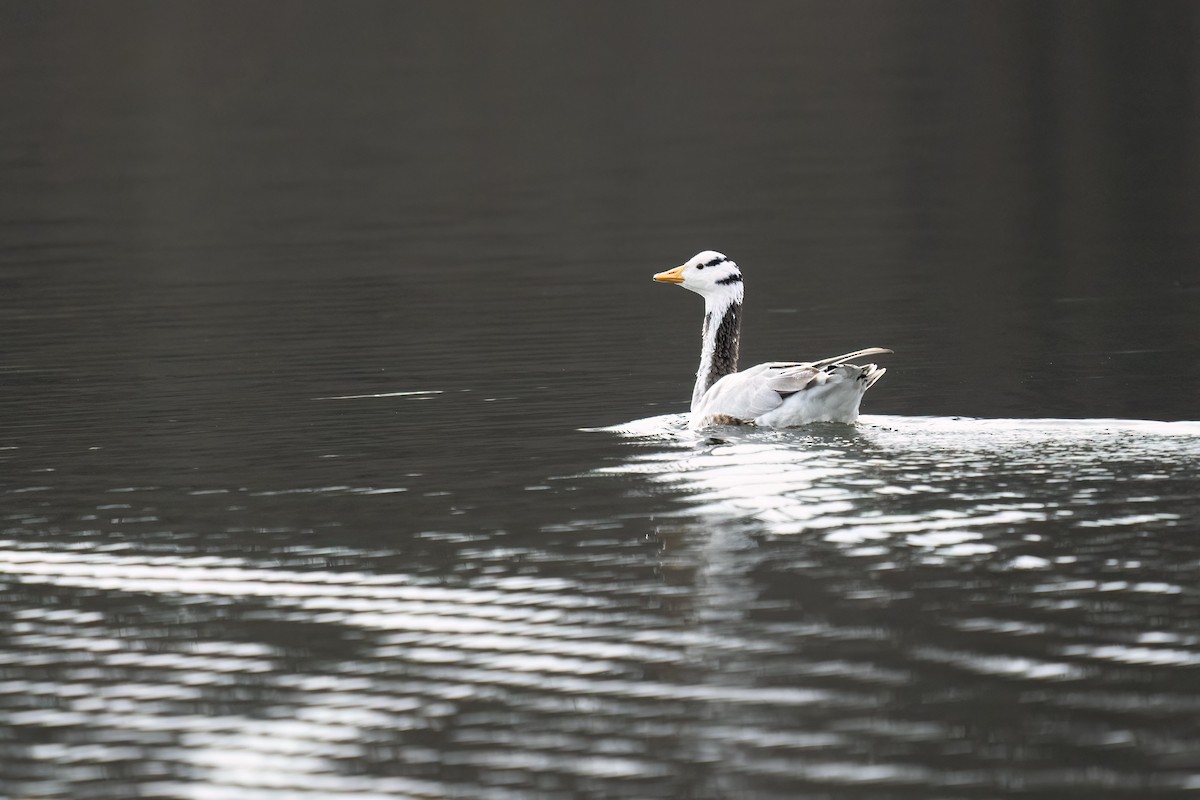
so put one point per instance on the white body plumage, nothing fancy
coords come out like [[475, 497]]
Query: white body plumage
[[775, 394]]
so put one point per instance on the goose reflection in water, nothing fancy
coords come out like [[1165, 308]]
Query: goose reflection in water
[[923, 577], [937, 483]]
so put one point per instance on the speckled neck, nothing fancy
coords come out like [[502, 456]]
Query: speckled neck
[[719, 348]]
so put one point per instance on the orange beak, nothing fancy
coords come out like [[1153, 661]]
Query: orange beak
[[671, 275]]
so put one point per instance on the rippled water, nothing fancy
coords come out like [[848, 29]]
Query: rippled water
[[340, 447], [953, 607]]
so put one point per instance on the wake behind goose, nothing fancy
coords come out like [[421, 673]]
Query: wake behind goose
[[775, 394]]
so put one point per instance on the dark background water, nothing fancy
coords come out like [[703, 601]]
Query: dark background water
[[214, 214]]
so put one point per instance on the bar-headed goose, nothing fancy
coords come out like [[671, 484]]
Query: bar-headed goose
[[776, 394]]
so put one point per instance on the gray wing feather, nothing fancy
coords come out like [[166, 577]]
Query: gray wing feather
[[762, 388], [870, 351], [742, 395], [796, 379]]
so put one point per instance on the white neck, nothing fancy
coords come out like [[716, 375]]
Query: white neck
[[719, 344]]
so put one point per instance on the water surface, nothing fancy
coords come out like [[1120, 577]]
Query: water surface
[[341, 449]]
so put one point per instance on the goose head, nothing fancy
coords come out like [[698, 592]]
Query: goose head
[[709, 274]]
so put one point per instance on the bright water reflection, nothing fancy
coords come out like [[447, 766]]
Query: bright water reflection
[[892, 477], [1046, 565], [915, 605], [302, 316]]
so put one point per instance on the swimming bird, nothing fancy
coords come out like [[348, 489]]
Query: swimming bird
[[777, 394]]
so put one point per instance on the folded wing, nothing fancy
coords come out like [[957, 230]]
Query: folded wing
[[764, 388]]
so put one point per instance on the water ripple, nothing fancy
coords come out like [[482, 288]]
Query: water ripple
[[829, 609]]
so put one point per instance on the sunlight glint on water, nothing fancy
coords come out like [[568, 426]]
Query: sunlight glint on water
[[303, 315], [841, 508]]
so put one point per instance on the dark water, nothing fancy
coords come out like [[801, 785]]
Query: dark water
[[339, 447]]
